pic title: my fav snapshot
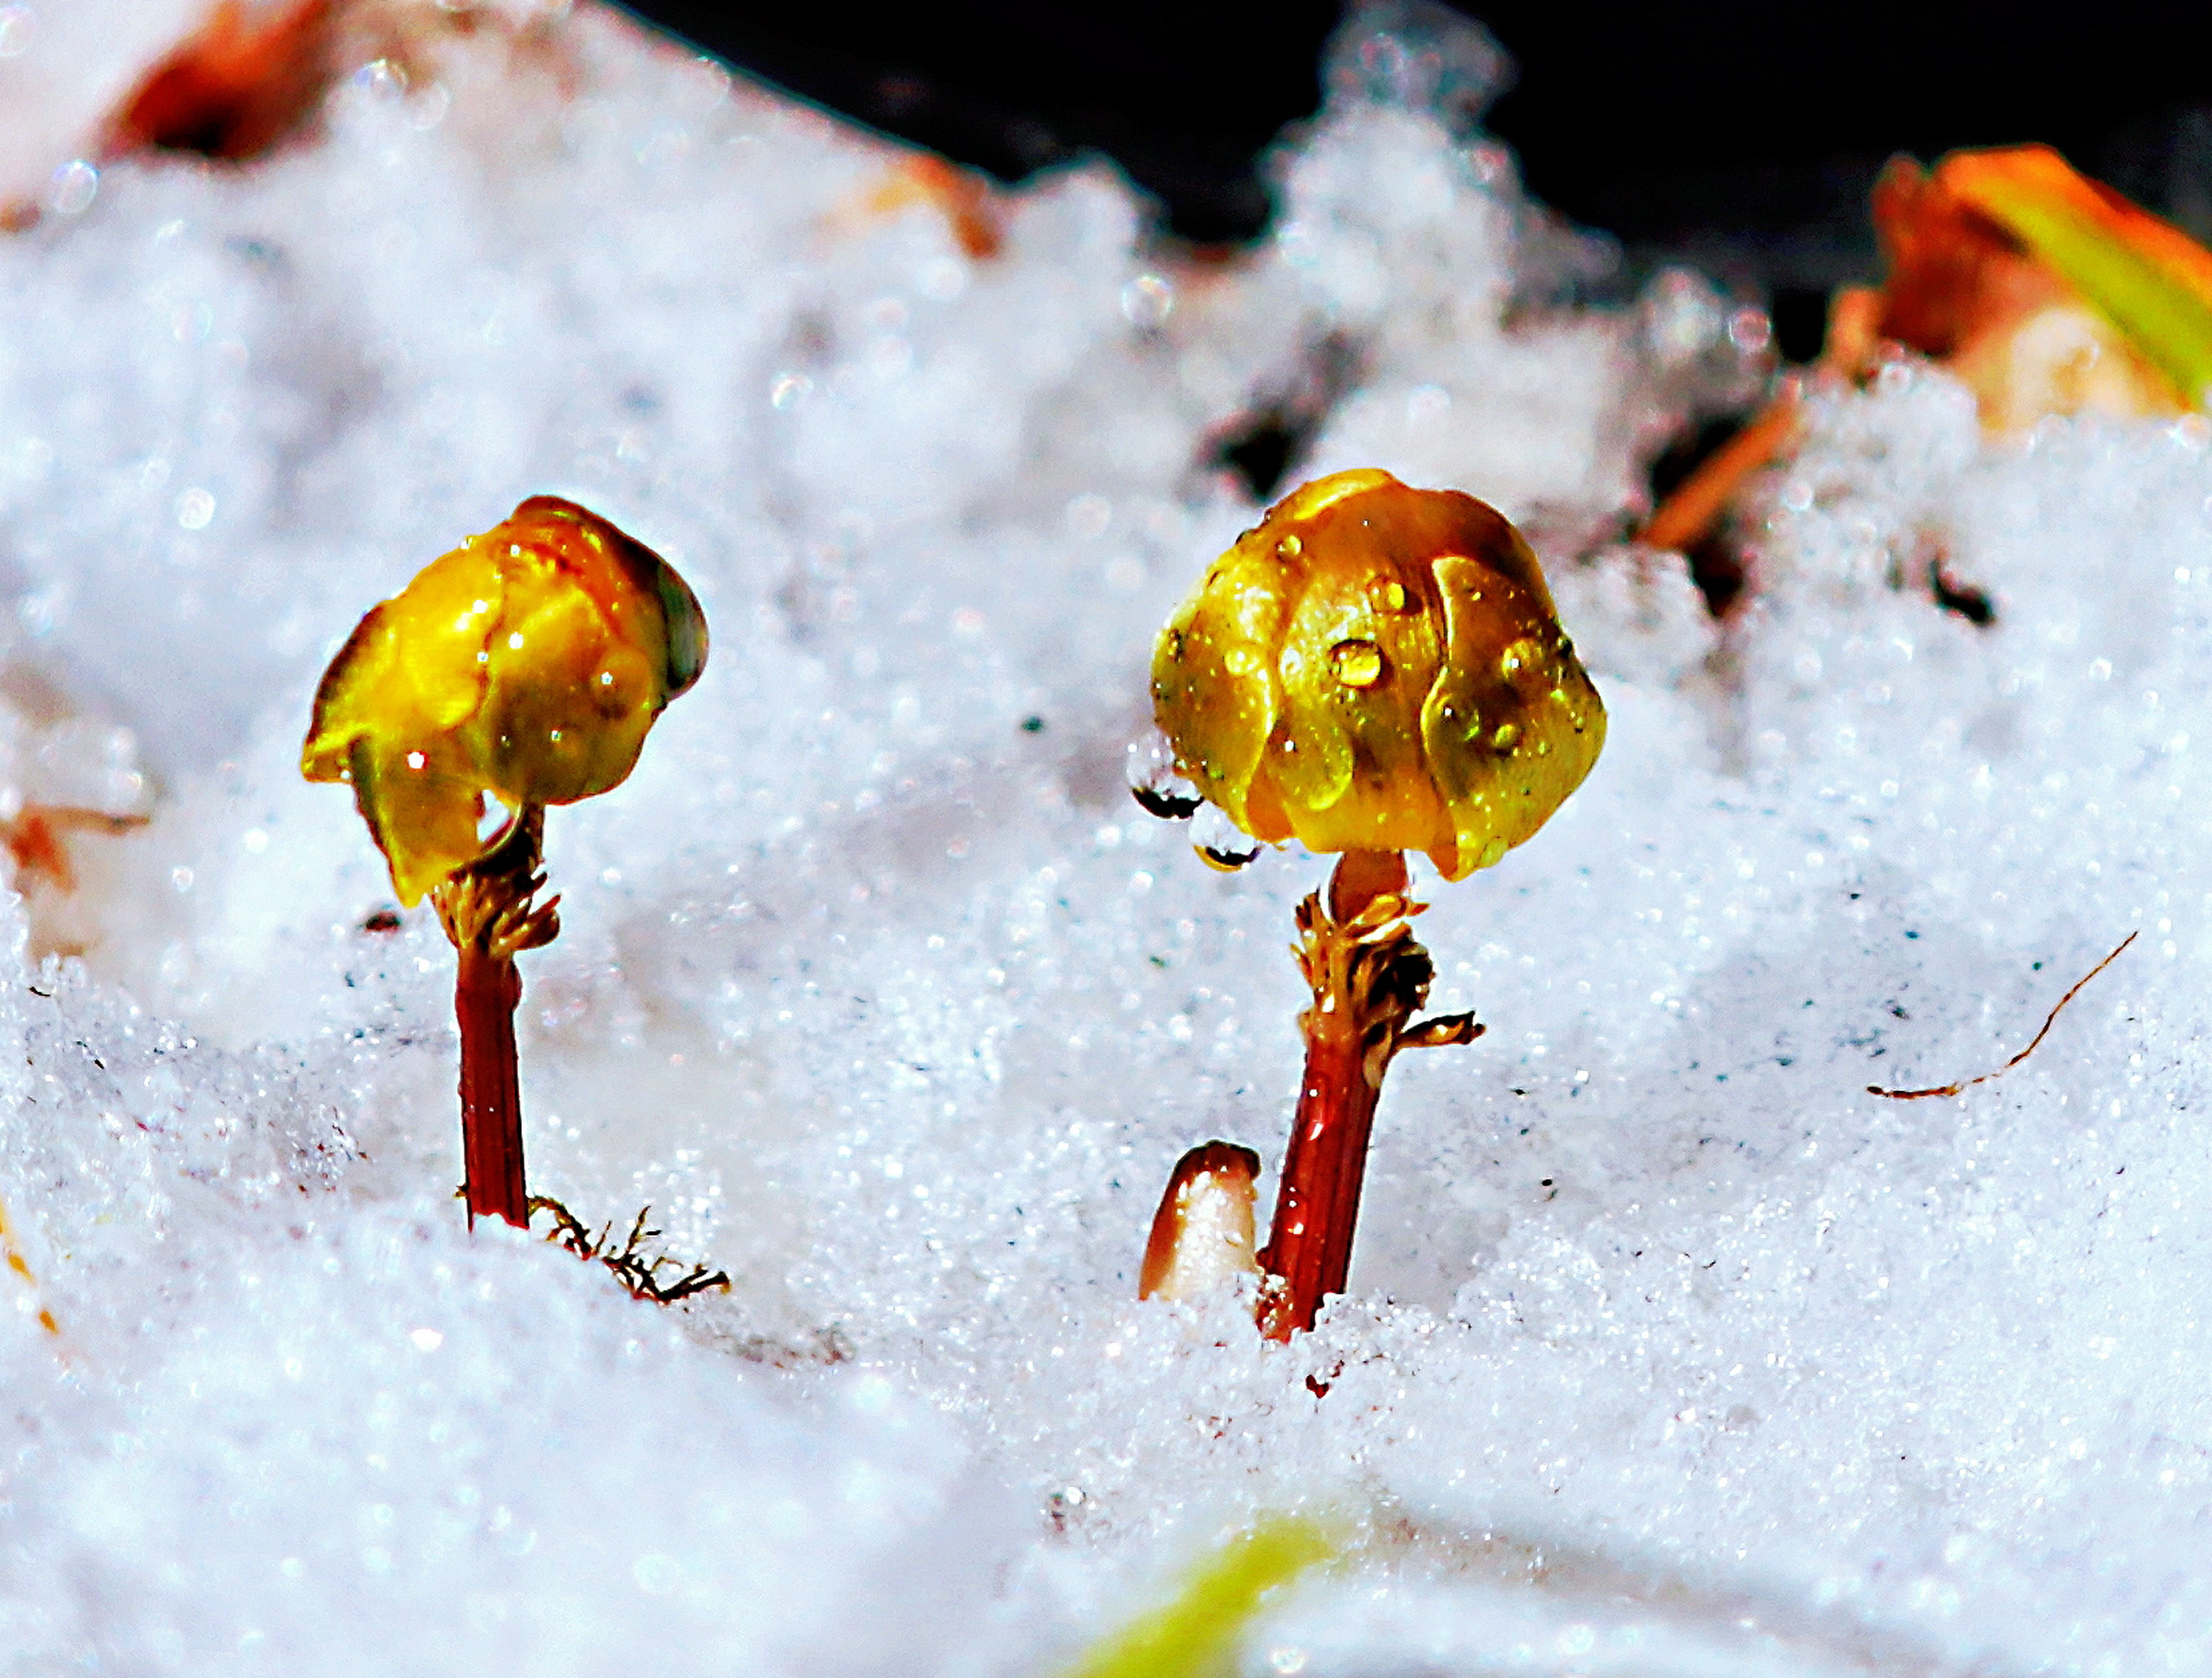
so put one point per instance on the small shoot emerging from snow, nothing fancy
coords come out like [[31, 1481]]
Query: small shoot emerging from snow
[[2035, 1043], [1202, 1238], [2134, 293], [2044, 292], [1370, 670], [524, 668]]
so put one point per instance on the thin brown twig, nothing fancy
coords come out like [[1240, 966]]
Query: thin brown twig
[[1688, 515], [2048, 1020]]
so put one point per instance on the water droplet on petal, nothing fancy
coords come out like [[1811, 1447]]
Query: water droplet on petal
[[1357, 664], [1522, 655], [1289, 547], [1241, 661], [1507, 737], [1220, 843], [1384, 595], [1156, 783]]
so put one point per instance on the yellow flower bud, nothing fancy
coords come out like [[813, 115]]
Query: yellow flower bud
[[1378, 668], [527, 664]]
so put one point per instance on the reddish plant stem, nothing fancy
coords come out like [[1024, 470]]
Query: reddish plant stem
[[1308, 1250], [1369, 977], [1309, 1247], [488, 913], [486, 991]]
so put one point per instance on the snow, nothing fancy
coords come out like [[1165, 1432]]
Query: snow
[[1670, 1348], [65, 65]]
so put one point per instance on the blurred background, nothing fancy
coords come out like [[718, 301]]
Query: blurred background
[[1741, 138]]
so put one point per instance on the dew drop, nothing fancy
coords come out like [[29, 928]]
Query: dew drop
[[1384, 595], [16, 23], [1289, 547], [1507, 737], [1147, 302], [1155, 782], [75, 185], [1220, 843], [1523, 654], [1357, 664]]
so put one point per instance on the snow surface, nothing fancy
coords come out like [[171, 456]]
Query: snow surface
[[65, 66], [1670, 1351]]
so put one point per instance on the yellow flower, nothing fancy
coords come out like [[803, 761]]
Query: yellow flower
[[527, 664], [1378, 668]]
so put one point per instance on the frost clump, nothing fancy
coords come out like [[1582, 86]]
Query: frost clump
[[1669, 1348]]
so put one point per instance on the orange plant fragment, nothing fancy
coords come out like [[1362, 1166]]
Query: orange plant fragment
[[2044, 292], [34, 844], [967, 201], [239, 85], [1965, 288]]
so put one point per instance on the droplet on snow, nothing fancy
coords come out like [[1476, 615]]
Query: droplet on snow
[[1146, 302], [75, 185], [16, 23]]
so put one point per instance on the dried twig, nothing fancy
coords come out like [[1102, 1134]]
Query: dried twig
[[1688, 515], [632, 1269], [1968, 1084]]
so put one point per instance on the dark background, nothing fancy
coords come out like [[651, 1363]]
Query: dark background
[[1741, 138]]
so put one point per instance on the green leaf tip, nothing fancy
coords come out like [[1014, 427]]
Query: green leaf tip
[[1196, 1633], [2147, 276]]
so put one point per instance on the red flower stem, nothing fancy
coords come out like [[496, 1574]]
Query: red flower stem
[[1309, 1245], [486, 991], [1309, 1251], [488, 911]]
